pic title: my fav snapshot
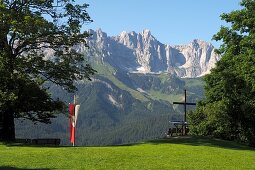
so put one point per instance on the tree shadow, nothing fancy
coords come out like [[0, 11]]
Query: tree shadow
[[202, 141], [32, 143], [126, 144], [14, 168], [16, 144], [184, 140]]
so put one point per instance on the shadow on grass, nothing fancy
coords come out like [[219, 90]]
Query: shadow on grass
[[14, 144], [202, 141], [23, 144], [184, 140], [13, 168], [10, 144]]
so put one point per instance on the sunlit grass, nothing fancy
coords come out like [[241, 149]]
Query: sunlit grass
[[167, 97], [190, 153]]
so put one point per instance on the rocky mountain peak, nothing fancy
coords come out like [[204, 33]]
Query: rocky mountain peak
[[196, 43], [143, 53], [146, 33]]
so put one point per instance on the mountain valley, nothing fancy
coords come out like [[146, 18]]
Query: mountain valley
[[130, 98]]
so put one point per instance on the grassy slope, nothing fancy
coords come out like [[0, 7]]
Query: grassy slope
[[167, 97], [107, 71], [190, 153]]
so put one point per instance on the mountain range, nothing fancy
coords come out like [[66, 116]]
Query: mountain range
[[143, 53], [130, 98]]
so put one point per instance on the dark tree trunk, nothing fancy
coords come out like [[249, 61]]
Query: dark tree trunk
[[8, 128]]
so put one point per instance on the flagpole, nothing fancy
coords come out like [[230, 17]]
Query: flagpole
[[74, 102]]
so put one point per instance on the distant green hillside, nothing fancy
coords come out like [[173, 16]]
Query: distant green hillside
[[118, 107], [179, 153]]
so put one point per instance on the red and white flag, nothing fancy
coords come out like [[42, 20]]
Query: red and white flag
[[73, 114], [71, 122]]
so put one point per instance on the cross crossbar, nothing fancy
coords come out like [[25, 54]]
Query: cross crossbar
[[184, 103]]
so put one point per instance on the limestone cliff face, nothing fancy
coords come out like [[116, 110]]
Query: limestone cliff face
[[199, 58], [143, 53]]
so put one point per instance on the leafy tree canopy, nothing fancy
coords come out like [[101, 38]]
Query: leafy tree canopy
[[229, 108], [37, 45]]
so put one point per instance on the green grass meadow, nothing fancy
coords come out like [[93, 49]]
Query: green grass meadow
[[174, 153]]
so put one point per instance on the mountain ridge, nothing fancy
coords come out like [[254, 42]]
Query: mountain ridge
[[143, 53]]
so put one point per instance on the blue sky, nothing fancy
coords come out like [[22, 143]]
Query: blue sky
[[170, 21]]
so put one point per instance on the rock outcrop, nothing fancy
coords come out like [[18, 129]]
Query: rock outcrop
[[143, 53]]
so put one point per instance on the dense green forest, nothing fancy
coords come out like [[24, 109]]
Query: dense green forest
[[228, 112]]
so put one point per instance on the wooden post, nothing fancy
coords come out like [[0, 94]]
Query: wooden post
[[185, 106]]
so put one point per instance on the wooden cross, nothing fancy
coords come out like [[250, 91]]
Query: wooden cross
[[185, 105]]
